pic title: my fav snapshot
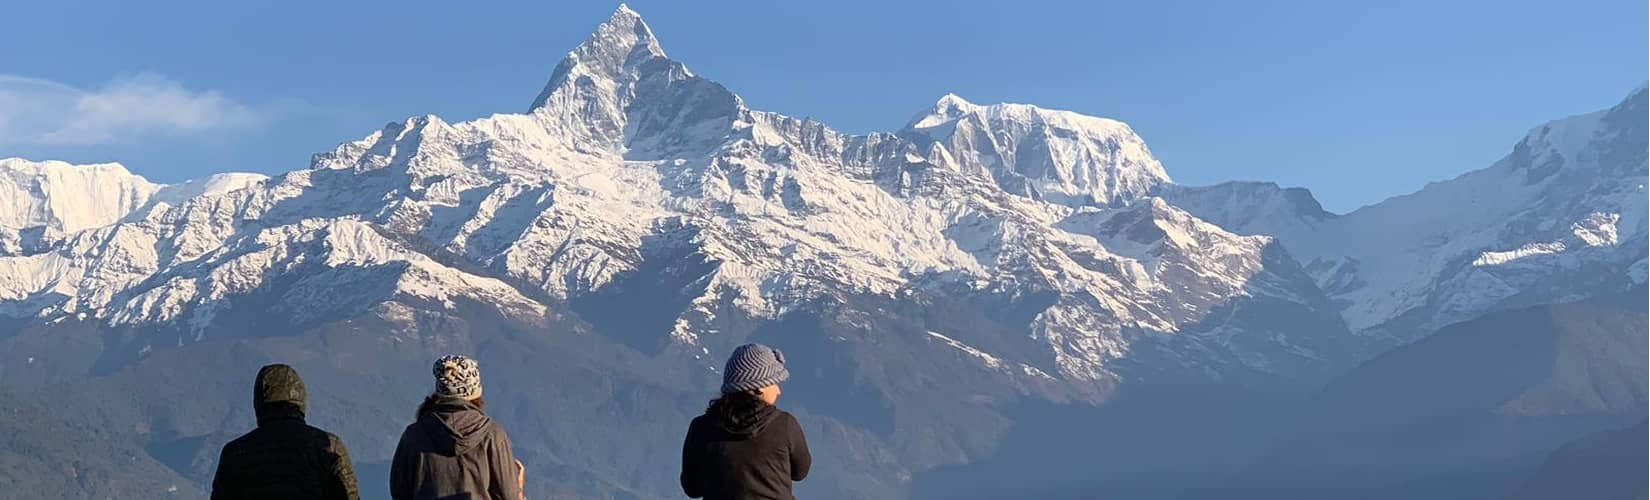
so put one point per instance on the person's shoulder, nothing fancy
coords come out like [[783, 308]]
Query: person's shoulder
[[703, 426], [699, 422], [240, 442], [316, 436], [332, 440], [492, 427], [314, 431], [411, 428], [303, 429], [789, 422]]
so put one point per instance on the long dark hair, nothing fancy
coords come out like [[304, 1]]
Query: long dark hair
[[740, 409], [431, 400]]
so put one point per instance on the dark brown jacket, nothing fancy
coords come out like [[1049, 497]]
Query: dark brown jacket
[[454, 452], [753, 457], [283, 458]]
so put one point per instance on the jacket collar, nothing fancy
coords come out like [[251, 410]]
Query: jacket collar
[[453, 404], [278, 411]]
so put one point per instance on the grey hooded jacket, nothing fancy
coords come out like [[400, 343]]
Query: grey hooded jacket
[[454, 452]]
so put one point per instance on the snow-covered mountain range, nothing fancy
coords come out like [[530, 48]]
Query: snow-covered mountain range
[[627, 151], [1561, 216], [626, 155], [632, 181]]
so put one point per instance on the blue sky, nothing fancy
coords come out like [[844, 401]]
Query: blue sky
[[1358, 101]]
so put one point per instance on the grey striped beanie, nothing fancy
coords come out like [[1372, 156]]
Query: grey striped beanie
[[457, 377], [753, 366]]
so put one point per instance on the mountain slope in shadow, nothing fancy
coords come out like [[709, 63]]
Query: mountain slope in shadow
[[1468, 412], [1608, 465], [38, 461]]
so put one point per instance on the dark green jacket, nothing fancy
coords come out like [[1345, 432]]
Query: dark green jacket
[[283, 458]]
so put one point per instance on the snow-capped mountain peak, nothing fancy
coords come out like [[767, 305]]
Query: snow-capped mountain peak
[[614, 53], [43, 202], [1054, 155], [947, 110], [618, 93], [68, 198], [212, 185]]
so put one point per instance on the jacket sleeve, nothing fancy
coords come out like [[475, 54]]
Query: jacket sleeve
[[223, 482], [501, 462], [341, 480], [693, 463], [400, 471], [801, 459]]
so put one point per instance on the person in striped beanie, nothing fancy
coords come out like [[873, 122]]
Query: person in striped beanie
[[755, 367], [744, 446]]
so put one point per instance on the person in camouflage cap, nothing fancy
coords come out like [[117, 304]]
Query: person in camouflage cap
[[284, 457]]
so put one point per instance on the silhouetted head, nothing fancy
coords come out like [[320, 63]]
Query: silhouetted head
[[279, 393]]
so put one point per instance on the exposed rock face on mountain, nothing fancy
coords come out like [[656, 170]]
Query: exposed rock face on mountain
[[603, 251]]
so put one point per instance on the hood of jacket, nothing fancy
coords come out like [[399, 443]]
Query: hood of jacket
[[455, 426], [279, 393], [744, 420]]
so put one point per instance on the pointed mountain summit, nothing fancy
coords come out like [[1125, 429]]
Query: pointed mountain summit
[[949, 108], [620, 91], [614, 53]]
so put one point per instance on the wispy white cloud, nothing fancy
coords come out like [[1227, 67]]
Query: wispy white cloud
[[126, 108]]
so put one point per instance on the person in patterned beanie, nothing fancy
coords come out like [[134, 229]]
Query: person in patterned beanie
[[453, 449], [744, 446]]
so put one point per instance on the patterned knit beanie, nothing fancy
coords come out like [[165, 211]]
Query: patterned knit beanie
[[457, 377], [753, 366]]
